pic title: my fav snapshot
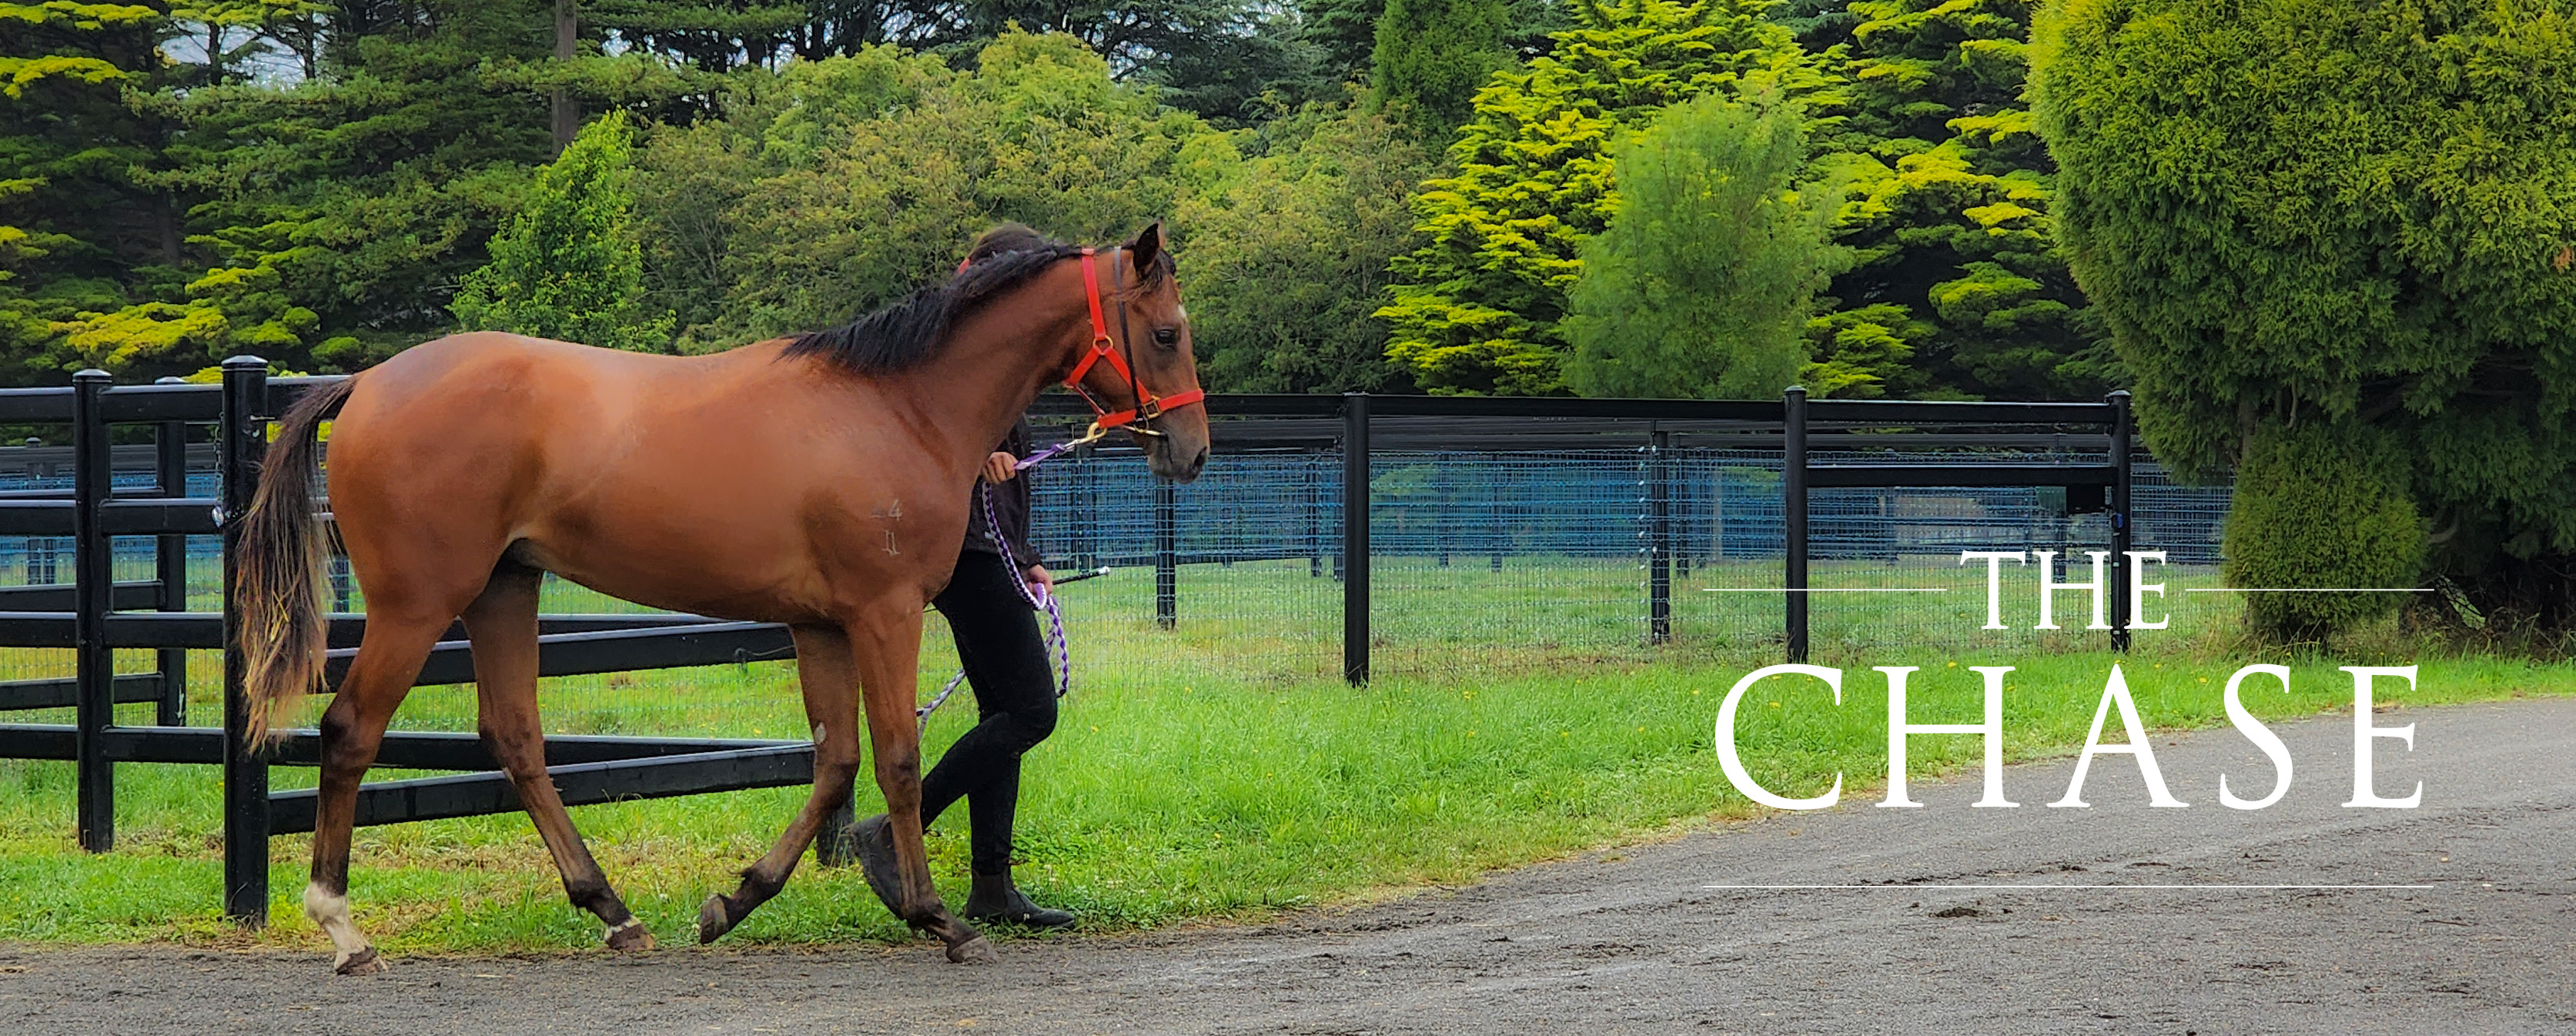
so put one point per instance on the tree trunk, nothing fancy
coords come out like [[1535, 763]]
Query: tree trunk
[[567, 111]]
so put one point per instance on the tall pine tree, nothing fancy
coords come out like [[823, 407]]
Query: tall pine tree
[[1433, 55], [1960, 289], [1477, 308]]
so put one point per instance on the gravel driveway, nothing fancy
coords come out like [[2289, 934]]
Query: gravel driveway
[[1632, 941]]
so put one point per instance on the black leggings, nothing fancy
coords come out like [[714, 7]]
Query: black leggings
[[1006, 662]]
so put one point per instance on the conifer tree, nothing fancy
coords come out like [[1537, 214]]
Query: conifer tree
[[78, 233], [1478, 307], [1702, 285], [1433, 55], [1959, 288], [568, 265], [2360, 233]]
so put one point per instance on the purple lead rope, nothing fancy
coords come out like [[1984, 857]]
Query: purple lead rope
[[1057, 650]]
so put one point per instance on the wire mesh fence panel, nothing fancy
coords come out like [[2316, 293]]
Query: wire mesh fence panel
[[1238, 572], [1486, 561], [39, 471], [1483, 559], [1884, 564]]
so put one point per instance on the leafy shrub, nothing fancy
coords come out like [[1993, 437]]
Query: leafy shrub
[[2321, 504]]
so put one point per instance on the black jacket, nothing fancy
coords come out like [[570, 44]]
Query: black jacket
[[1010, 505]]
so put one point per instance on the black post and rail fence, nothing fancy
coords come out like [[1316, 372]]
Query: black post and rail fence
[[97, 615]]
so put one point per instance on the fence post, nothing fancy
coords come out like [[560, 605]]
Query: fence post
[[2120, 524], [1793, 513], [243, 438], [1659, 540], [1166, 564], [1355, 537], [170, 564], [93, 593]]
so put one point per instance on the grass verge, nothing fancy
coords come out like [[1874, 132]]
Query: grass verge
[[1159, 799]]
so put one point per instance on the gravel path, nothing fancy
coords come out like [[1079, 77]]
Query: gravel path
[[1631, 941]]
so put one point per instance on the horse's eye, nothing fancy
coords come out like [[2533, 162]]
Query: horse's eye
[[1166, 337]]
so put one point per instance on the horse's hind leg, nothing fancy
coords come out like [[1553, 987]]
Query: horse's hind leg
[[503, 625], [352, 729], [830, 680]]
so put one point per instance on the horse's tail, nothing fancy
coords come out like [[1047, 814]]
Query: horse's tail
[[284, 628]]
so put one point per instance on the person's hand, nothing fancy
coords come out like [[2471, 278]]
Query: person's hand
[[1039, 579], [1001, 467]]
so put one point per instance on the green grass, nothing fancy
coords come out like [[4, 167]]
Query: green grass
[[1218, 770], [1157, 801]]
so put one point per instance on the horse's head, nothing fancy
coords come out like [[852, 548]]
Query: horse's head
[[1149, 335]]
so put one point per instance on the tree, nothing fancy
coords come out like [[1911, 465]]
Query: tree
[[2365, 218], [326, 221], [859, 178], [1284, 259], [79, 234], [1345, 33], [1959, 282], [568, 265], [1702, 285], [1476, 308], [1433, 55]]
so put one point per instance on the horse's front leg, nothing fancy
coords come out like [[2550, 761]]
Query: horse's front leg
[[889, 848], [825, 670]]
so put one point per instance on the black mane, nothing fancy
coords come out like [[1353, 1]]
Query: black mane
[[910, 331]]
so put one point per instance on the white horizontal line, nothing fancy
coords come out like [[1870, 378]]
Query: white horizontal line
[[2306, 590], [1826, 590], [1790, 888]]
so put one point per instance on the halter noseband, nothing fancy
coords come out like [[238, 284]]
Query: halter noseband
[[1148, 406]]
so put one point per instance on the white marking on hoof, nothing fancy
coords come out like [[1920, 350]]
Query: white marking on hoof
[[643, 940], [331, 914], [977, 950]]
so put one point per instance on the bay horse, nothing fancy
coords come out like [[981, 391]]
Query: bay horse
[[819, 481]]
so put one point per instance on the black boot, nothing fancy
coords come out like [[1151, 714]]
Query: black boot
[[994, 900], [871, 842]]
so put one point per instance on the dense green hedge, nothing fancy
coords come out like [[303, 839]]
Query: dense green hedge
[[2320, 505], [2359, 212]]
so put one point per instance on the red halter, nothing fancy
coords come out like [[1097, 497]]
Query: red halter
[[1148, 405]]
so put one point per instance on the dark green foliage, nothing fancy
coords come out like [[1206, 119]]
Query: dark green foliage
[[1433, 55], [1286, 259], [846, 182], [1954, 239], [1702, 285], [310, 220], [2367, 213], [80, 230], [2321, 505], [1344, 33]]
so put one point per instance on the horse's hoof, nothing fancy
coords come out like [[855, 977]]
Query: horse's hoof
[[977, 950], [713, 919], [363, 962], [630, 937]]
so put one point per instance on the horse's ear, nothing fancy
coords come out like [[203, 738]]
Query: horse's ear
[[1148, 246]]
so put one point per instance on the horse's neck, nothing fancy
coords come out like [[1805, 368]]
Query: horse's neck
[[993, 366]]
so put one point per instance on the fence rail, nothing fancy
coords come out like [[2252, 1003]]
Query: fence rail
[[1328, 525]]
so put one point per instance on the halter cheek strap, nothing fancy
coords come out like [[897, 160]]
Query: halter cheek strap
[[1148, 405]]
